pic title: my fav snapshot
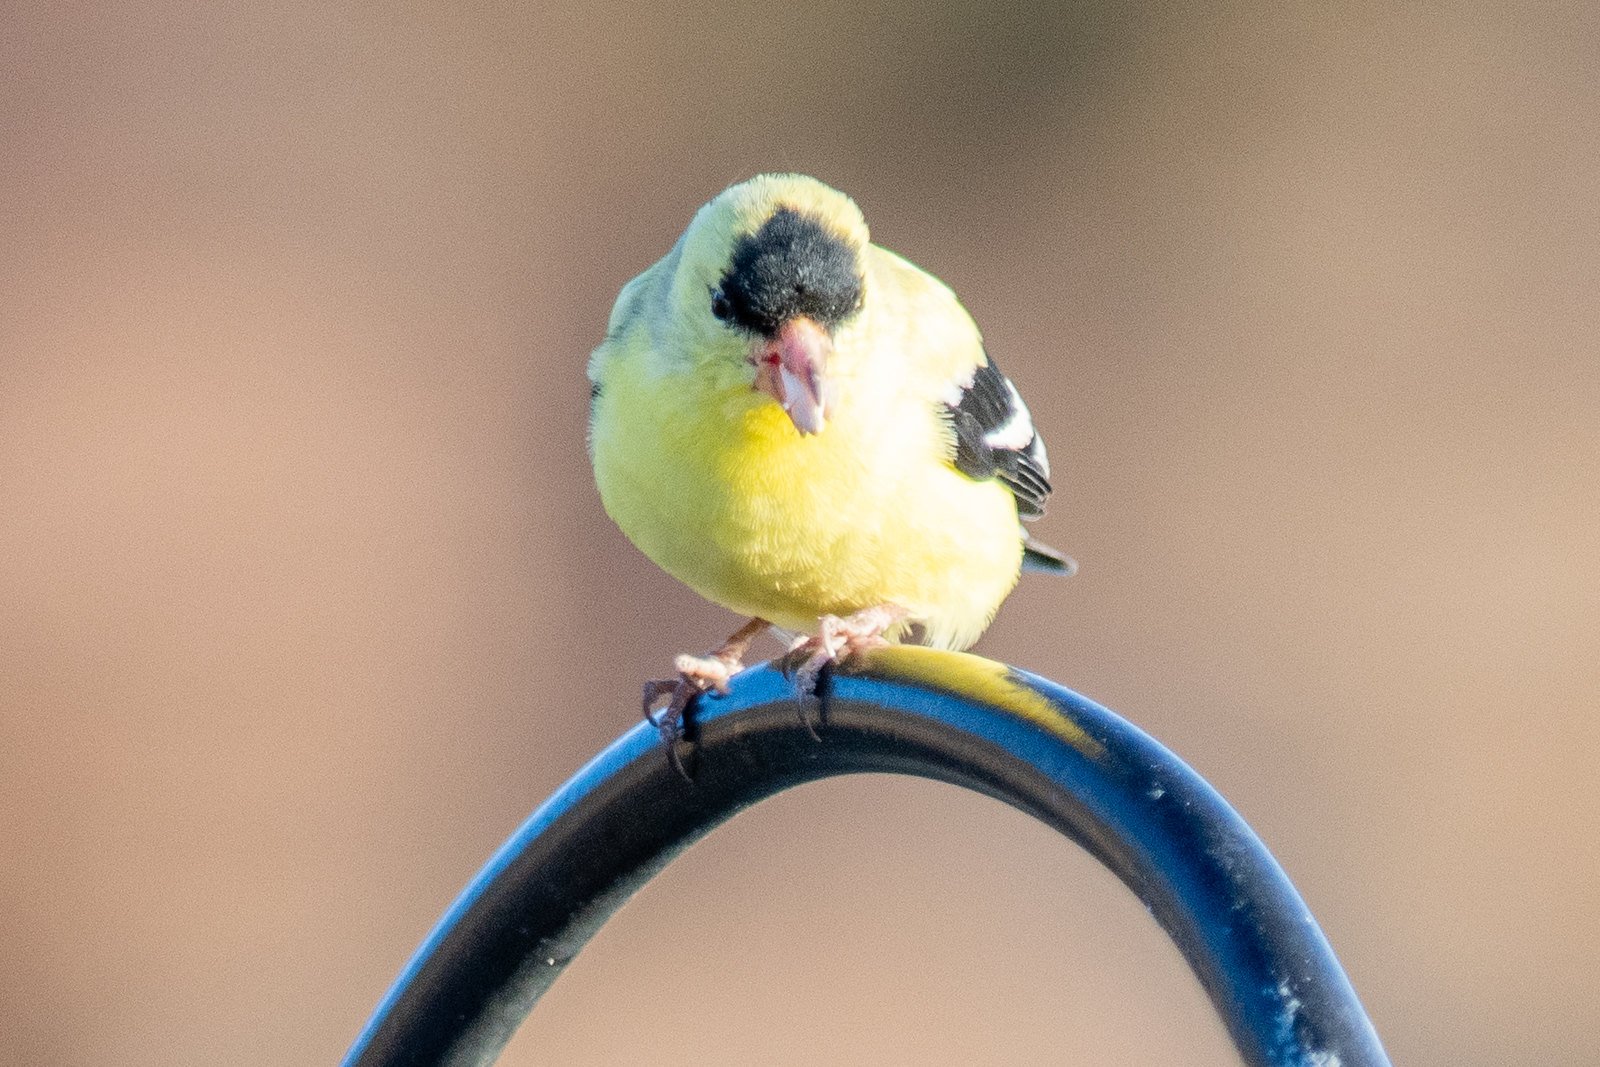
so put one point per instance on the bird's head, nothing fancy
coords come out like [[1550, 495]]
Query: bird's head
[[770, 271]]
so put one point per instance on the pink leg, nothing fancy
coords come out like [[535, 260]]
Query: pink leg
[[696, 674], [838, 641]]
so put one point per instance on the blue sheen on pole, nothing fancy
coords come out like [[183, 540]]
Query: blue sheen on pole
[[957, 718]]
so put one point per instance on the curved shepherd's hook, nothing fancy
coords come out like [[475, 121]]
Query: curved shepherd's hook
[[957, 718]]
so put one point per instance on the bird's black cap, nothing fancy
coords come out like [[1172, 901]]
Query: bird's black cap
[[793, 265]]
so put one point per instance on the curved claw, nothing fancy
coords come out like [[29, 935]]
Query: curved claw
[[696, 675], [836, 642], [672, 719]]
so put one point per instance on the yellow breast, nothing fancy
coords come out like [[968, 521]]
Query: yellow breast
[[714, 484]]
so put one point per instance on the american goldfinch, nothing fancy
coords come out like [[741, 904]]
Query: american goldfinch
[[804, 428]]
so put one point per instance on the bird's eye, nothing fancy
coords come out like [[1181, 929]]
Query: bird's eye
[[721, 306]]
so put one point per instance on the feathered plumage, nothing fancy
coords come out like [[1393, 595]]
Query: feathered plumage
[[797, 423]]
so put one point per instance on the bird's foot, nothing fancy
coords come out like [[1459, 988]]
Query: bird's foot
[[837, 641], [666, 707], [666, 701]]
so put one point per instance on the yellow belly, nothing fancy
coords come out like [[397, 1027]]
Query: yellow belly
[[726, 496]]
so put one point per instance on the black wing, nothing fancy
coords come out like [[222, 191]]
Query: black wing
[[995, 438]]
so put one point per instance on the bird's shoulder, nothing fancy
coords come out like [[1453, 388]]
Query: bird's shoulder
[[628, 327], [992, 431]]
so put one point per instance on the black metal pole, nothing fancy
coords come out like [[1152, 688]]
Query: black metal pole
[[957, 718]]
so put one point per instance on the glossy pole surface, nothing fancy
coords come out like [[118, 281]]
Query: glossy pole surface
[[952, 717]]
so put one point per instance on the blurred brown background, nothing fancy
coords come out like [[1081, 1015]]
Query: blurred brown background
[[306, 598]]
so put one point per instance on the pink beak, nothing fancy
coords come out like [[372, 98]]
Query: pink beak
[[789, 368]]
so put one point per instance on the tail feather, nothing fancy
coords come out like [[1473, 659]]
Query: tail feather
[[1041, 558]]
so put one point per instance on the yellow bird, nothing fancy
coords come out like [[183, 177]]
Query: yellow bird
[[804, 428]]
